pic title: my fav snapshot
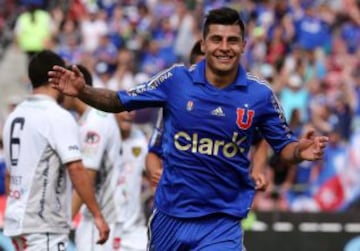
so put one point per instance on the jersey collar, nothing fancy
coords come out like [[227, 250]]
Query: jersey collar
[[199, 75], [40, 96]]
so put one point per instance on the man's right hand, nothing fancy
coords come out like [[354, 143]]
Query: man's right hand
[[67, 82], [103, 229]]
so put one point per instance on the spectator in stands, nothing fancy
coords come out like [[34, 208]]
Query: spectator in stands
[[92, 27], [33, 29], [125, 70], [295, 96]]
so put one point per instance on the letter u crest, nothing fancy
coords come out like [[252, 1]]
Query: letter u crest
[[244, 125]]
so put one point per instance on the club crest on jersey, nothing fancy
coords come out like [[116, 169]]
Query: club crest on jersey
[[116, 243], [244, 118], [92, 138], [190, 105], [136, 151]]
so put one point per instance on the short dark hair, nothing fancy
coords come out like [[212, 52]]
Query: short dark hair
[[223, 16], [39, 66], [195, 52], [87, 75]]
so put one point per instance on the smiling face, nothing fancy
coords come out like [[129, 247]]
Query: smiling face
[[223, 46], [223, 43]]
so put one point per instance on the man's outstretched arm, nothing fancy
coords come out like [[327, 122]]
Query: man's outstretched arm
[[102, 99], [72, 83]]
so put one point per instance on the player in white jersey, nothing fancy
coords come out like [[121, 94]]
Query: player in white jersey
[[42, 151], [100, 145], [130, 231]]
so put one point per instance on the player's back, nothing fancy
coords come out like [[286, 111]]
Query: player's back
[[38, 139]]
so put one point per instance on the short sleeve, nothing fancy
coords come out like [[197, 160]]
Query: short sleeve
[[153, 93], [274, 126], [65, 133]]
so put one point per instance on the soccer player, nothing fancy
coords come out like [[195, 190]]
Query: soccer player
[[100, 143], [211, 112], [42, 150], [154, 165], [130, 232]]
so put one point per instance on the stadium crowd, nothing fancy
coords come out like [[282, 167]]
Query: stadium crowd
[[308, 50]]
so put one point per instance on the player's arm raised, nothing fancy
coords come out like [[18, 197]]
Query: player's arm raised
[[72, 83]]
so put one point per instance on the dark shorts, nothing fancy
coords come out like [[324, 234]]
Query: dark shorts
[[210, 233]]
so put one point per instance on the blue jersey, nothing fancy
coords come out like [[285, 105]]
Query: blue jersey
[[207, 136]]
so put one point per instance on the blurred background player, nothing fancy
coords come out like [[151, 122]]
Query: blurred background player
[[130, 231], [42, 150], [100, 146]]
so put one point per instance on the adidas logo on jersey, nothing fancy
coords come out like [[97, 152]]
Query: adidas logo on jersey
[[218, 112]]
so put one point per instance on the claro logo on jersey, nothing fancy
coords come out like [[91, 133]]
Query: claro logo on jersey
[[191, 142]]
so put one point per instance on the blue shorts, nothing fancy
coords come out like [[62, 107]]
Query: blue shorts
[[209, 233]]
